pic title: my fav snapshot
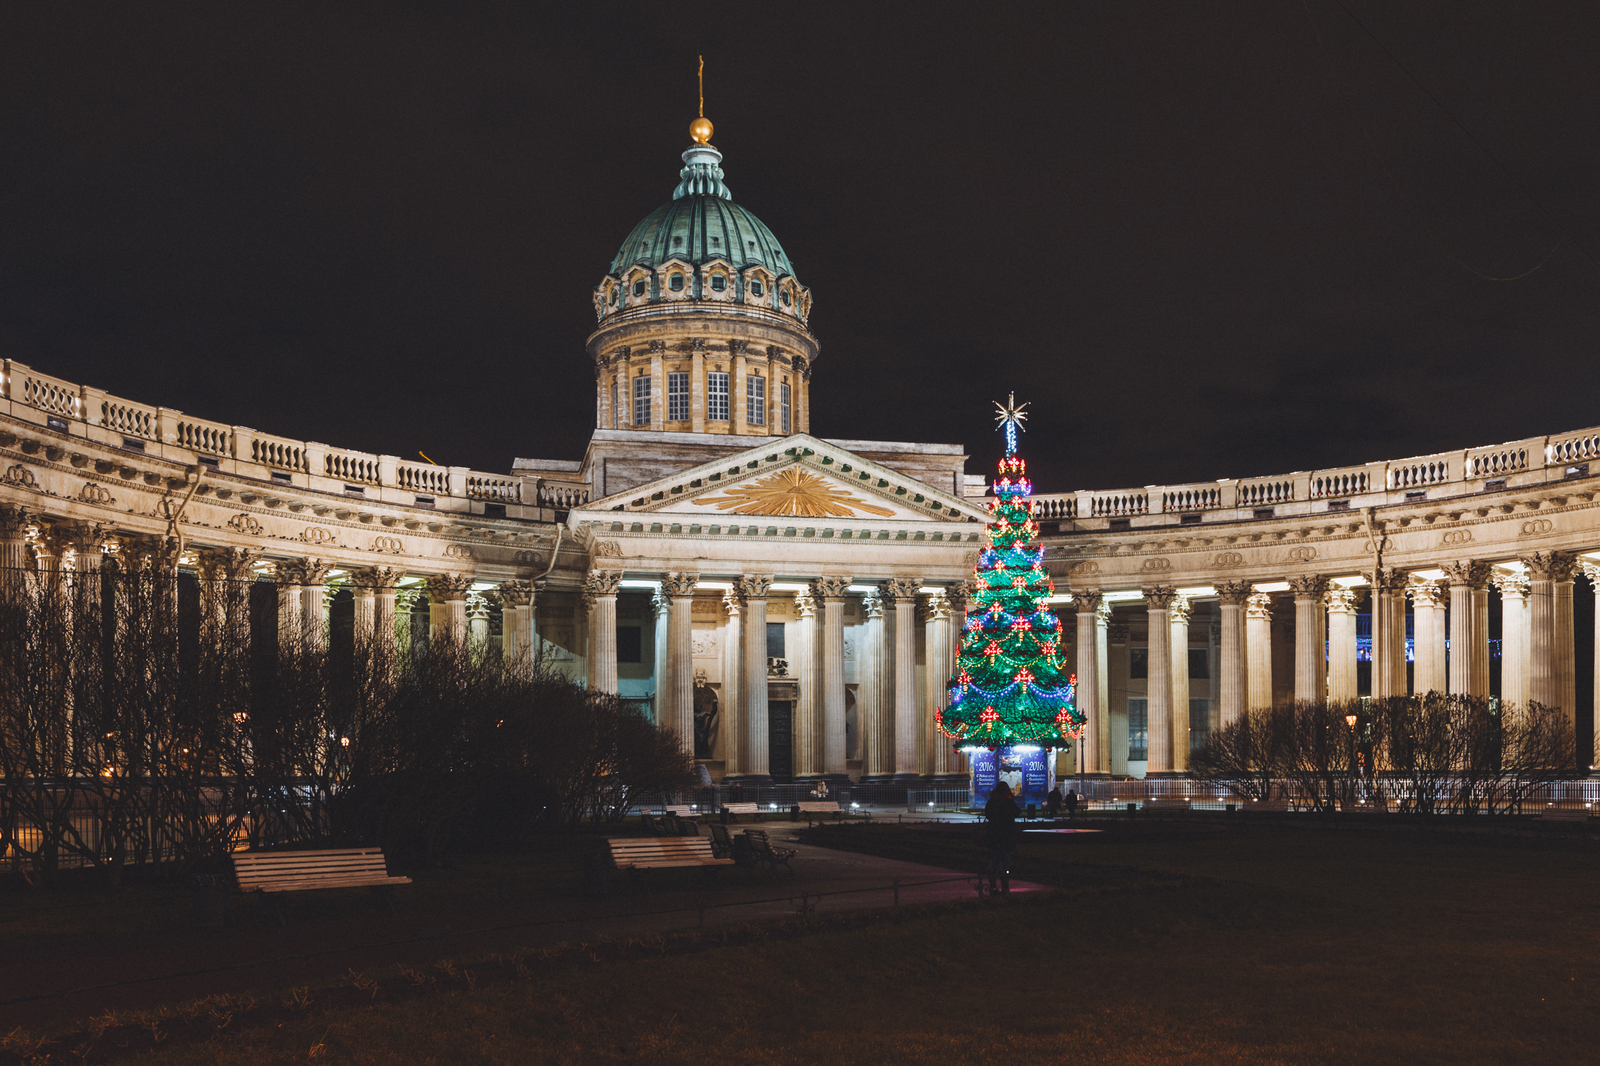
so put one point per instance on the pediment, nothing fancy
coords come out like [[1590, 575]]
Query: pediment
[[796, 478]]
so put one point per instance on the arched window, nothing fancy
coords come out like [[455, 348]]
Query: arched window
[[719, 282], [675, 283], [755, 288], [638, 287]]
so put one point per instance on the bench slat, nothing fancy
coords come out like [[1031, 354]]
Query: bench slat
[[662, 852], [294, 871]]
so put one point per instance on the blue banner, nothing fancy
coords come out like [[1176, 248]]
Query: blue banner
[[1030, 771]]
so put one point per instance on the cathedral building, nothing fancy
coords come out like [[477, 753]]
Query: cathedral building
[[791, 605]]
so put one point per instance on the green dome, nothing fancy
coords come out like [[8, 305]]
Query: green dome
[[702, 223]]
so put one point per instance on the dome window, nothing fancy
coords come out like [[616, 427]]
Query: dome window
[[677, 242], [613, 297], [719, 282], [786, 297], [675, 283], [638, 287], [756, 289], [716, 240]]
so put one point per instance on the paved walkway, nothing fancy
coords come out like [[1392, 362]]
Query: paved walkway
[[188, 962]]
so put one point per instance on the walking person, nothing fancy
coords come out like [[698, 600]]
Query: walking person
[[1000, 835]]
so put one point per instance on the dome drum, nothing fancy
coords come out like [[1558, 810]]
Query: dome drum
[[702, 322]]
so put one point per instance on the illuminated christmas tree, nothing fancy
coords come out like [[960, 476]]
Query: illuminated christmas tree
[[1011, 689]]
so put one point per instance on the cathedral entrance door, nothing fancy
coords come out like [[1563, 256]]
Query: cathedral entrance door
[[780, 740]]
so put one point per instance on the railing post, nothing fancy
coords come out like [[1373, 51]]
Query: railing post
[[244, 443], [388, 470], [456, 480], [316, 459]]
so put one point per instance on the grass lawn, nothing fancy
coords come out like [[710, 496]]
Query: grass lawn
[[1179, 941]]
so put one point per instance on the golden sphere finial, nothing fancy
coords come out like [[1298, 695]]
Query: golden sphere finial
[[700, 130]]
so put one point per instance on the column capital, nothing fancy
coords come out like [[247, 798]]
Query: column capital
[[936, 606], [678, 585], [449, 587], [1472, 574], [754, 586], [517, 593], [1234, 593], [805, 604], [1181, 609], [1389, 579], [1087, 599], [376, 578], [872, 604], [603, 582], [1117, 633], [730, 603], [1426, 594], [1343, 600], [1159, 597], [87, 537], [1511, 583], [958, 595], [1549, 566], [1308, 586], [901, 588], [478, 605], [661, 603], [830, 588], [13, 520], [1259, 605], [1592, 572]]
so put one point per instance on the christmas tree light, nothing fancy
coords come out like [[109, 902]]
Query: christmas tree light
[[1010, 687]]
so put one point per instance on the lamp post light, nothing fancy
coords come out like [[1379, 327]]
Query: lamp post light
[[1350, 720]]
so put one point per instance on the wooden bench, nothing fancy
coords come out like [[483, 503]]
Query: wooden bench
[[763, 852], [304, 871], [819, 807], [682, 810], [1563, 814], [662, 853], [733, 810]]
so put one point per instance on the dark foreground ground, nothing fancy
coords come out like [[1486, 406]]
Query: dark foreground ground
[[1194, 939]]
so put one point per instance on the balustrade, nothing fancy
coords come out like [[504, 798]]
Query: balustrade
[[1339, 483], [1058, 506], [503, 490], [278, 452], [1264, 493], [1114, 504], [1572, 449], [1497, 462], [1419, 473], [559, 494], [212, 438], [1191, 499], [129, 419], [431, 479], [357, 467]]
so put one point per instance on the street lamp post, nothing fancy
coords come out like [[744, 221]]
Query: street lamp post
[[1350, 720]]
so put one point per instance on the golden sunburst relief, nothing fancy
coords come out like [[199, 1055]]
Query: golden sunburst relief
[[793, 493]]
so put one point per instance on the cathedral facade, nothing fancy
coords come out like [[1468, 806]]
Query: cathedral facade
[[791, 605]]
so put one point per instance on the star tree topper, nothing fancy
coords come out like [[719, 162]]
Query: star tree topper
[[1011, 415]]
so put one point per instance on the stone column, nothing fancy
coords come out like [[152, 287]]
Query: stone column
[[949, 764], [1592, 572], [365, 617], [831, 590], [602, 585], [1342, 644], [1158, 687], [936, 627], [447, 615], [753, 589], [1258, 643], [803, 665], [290, 575], [1388, 632], [477, 610], [1091, 637], [313, 593], [1103, 675], [903, 591], [405, 603], [1233, 684], [733, 724], [1180, 612], [1553, 679], [1514, 666], [516, 624], [14, 523], [872, 714], [1310, 641], [1469, 628], [677, 709], [1428, 658]]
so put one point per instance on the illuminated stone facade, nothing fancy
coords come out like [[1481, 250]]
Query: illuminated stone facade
[[792, 604]]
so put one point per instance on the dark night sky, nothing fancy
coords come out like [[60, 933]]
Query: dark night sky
[[377, 226]]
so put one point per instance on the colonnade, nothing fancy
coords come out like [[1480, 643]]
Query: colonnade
[[894, 711], [1451, 646]]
